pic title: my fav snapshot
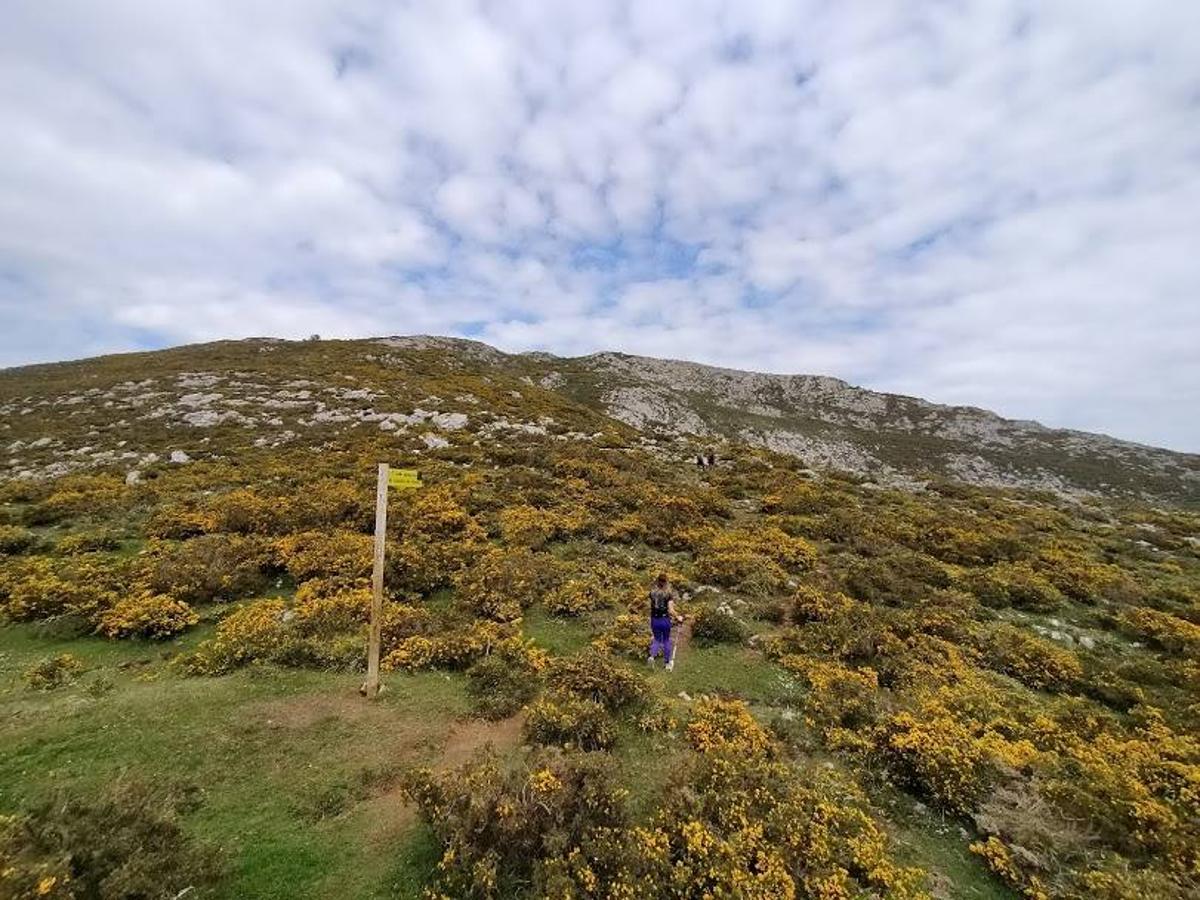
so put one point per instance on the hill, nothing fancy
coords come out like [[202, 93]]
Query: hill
[[895, 440], [892, 681]]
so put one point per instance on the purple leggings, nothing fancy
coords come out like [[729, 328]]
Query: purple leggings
[[661, 629]]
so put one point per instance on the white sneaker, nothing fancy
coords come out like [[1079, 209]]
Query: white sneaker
[[650, 662], [670, 667]]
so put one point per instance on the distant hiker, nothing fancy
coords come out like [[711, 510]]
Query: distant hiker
[[700, 460], [712, 458], [662, 613]]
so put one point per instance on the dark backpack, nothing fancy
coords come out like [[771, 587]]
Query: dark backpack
[[660, 602]]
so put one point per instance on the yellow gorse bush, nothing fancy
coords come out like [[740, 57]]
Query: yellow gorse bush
[[719, 725], [253, 632], [576, 596], [313, 554], [154, 616]]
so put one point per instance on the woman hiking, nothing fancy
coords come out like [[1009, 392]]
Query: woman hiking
[[662, 613]]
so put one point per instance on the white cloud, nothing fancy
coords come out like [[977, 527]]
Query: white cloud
[[996, 203]]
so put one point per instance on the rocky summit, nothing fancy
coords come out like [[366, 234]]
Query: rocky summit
[[134, 410]]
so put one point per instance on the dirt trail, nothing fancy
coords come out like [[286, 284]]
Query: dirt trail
[[465, 738], [389, 814]]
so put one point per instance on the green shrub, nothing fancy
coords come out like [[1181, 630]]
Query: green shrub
[[502, 584], [564, 720], [1027, 658], [1014, 584], [559, 818], [214, 567], [87, 542], [718, 625], [596, 676], [52, 672], [14, 539], [126, 843], [505, 680]]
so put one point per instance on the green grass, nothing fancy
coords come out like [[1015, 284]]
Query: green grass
[[721, 669], [265, 746], [562, 637]]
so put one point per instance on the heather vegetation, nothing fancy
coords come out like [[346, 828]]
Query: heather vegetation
[[953, 691]]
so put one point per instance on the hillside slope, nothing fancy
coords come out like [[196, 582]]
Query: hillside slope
[[64, 417], [949, 692]]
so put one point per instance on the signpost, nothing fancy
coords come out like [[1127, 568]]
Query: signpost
[[401, 480]]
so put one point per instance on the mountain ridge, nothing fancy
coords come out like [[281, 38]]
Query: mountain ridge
[[825, 421]]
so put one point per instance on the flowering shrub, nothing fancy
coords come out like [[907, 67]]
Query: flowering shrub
[[838, 697], [562, 719], [746, 826], [669, 521], [507, 678], [503, 583], [1000, 860], [1171, 633], [87, 542], [252, 632], [242, 511], [455, 649], [628, 636], [576, 596], [726, 725], [179, 522], [53, 672], [424, 564], [1078, 577], [1137, 790], [126, 843], [154, 616], [811, 604], [526, 526], [1027, 658], [402, 621], [595, 676], [978, 544], [76, 495], [14, 539], [329, 614], [756, 561], [313, 554], [718, 625], [330, 503], [735, 565], [935, 755], [799, 498], [1014, 584], [204, 569], [439, 539], [552, 826], [42, 589]]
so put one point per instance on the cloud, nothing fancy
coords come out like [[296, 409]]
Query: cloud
[[993, 203]]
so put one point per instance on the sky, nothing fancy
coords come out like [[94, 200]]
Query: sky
[[994, 203]]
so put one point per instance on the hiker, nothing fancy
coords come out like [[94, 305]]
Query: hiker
[[662, 613]]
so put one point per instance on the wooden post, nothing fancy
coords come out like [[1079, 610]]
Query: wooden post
[[381, 498]]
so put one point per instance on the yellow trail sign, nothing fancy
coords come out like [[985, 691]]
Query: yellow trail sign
[[404, 479]]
